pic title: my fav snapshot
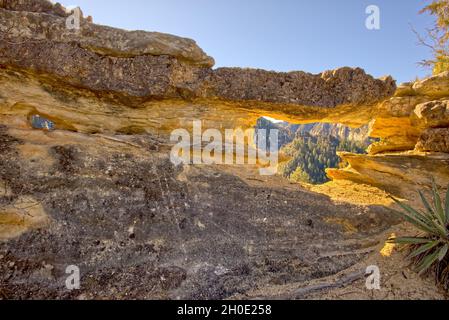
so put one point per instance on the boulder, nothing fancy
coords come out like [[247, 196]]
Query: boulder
[[435, 86], [434, 140], [434, 114]]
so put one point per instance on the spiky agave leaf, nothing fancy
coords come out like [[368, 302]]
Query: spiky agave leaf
[[424, 248], [430, 249], [430, 211], [409, 240], [419, 220], [447, 205], [419, 224], [443, 252], [437, 202], [411, 214], [443, 275], [427, 262]]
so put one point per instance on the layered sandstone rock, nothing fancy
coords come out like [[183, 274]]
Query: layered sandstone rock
[[433, 117], [414, 130], [401, 174]]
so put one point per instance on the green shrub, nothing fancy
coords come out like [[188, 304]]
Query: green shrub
[[428, 251], [299, 176]]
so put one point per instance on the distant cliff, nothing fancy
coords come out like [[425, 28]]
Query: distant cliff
[[288, 132]]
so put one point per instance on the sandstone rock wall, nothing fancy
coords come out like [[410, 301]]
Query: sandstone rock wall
[[414, 148]]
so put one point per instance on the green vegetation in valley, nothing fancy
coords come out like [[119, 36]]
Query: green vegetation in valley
[[312, 155]]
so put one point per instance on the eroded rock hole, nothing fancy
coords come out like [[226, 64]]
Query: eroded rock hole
[[312, 148]]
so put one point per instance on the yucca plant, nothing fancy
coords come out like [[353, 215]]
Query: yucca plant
[[428, 251]]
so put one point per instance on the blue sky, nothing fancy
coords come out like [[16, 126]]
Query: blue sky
[[282, 35]]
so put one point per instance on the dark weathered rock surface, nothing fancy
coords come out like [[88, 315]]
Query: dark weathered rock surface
[[140, 228], [345, 86], [434, 140], [39, 25], [40, 6], [142, 76]]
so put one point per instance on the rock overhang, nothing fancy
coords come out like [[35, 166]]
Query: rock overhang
[[159, 66]]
